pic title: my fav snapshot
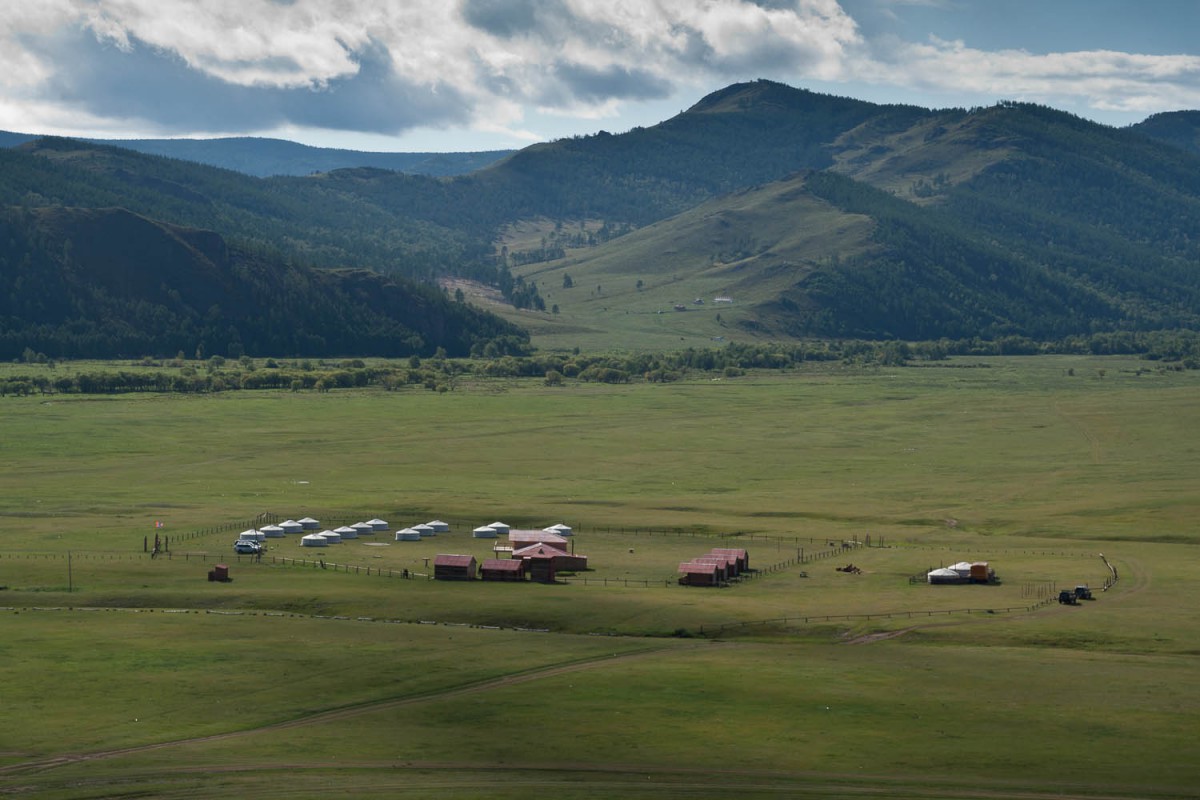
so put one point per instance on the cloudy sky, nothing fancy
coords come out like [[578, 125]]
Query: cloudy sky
[[417, 75]]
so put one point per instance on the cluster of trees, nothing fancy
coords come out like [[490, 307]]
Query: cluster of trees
[[78, 283], [554, 244], [440, 373]]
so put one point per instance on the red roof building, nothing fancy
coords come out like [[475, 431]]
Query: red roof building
[[454, 567], [519, 539], [732, 567], [743, 557], [694, 573], [719, 562], [502, 569], [563, 562]]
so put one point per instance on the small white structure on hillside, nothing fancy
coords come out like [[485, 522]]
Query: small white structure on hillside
[[331, 537], [310, 524], [484, 532], [560, 529], [424, 530], [346, 532], [291, 526], [313, 540], [251, 536], [364, 528], [499, 527], [272, 531], [408, 535], [378, 525], [439, 526]]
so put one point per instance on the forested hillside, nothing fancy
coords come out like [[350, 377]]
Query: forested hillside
[[1011, 220], [1178, 128], [105, 283]]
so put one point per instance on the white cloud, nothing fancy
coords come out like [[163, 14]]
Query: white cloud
[[242, 42], [578, 56], [1100, 79], [386, 66], [20, 67]]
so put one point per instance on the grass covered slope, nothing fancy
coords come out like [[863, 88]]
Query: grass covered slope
[[323, 679], [750, 247]]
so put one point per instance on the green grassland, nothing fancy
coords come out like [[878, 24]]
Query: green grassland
[[624, 293], [129, 675]]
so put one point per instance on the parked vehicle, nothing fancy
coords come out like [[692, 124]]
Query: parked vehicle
[[1067, 598], [1082, 592], [245, 546]]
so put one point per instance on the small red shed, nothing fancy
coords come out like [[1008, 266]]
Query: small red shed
[[743, 557], [502, 569], [540, 567], [732, 566], [453, 567], [719, 562], [694, 573]]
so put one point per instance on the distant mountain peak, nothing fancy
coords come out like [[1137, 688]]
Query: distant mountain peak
[[766, 95]]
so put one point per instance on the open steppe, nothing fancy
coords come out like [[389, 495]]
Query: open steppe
[[130, 676]]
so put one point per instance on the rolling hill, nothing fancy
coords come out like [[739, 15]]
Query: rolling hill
[[105, 283], [1178, 128], [817, 215], [264, 157], [1010, 220]]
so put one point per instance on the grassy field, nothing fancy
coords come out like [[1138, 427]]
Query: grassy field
[[126, 675], [640, 291]]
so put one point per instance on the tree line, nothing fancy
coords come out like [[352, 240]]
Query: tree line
[[1169, 349]]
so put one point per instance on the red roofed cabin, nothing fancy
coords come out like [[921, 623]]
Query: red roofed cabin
[[563, 562], [743, 558], [695, 573], [719, 562], [540, 566], [502, 569], [732, 569], [522, 539], [454, 568]]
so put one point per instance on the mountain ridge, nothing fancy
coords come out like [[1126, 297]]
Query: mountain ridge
[[1014, 219], [106, 282], [263, 157]]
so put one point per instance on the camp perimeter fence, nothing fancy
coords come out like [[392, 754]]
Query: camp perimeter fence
[[748, 575]]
